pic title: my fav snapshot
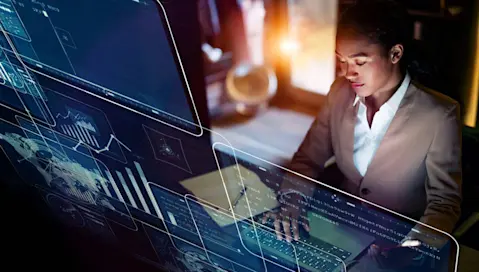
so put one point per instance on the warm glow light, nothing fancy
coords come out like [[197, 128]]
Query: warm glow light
[[470, 117], [313, 25], [289, 46]]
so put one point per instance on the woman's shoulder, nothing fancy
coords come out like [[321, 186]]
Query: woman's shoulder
[[433, 100], [339, 89]]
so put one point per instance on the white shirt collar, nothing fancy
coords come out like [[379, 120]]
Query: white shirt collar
[[395, 100]]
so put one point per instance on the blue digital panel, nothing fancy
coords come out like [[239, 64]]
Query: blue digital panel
[[120, 50], [20, 91], [44, 161]]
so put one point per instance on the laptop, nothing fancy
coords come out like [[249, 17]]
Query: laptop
[[328, 246]]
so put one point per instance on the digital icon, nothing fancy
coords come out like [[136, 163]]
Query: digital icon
[[167, 149]]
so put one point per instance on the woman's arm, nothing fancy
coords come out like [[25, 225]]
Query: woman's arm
[[443, 164], [315, 149], [308, 160]]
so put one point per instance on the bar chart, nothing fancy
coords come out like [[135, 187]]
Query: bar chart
[[130, 187], [82, 196], [80, 133]]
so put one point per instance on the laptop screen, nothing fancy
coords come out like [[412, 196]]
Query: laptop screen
[[119, 51]]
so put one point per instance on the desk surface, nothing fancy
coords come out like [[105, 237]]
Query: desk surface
[[273, 135], [468, 259], [468, 262]]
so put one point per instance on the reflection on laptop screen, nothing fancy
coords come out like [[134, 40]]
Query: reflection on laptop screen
[[121, 51]]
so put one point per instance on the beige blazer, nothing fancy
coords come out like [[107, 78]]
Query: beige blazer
[[416, 170]]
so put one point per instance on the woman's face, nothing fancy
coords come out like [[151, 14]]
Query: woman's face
[[367, 67]]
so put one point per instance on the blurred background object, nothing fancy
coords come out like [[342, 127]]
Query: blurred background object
[[251, 87], [312, 38], [254, 19]]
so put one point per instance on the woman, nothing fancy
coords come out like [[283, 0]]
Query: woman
[[396, 143]]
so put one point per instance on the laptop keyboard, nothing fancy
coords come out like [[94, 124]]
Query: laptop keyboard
[[178, 214], [313, 255]]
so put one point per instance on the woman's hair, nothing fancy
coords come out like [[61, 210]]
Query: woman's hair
[[383, 22]]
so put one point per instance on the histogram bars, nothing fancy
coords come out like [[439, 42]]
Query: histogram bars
[[80, 133], [131, 187], [127, 189], [115, 187], [84, 196], [148, 189], [137, 190]]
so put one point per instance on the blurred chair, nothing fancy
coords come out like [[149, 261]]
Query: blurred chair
[[470, 206]]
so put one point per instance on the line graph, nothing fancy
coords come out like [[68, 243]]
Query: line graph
[[59, 115], [107, 146], [88, 127]]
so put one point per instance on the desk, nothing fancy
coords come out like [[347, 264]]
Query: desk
[[468, 261], [273, 135]]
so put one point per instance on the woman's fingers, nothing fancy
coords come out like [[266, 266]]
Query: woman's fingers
[[306, 224], [374, 250], [268, 215], [286, 225], [294, 224], [277, 227], [286, 220], [378, 255], [277, 222]]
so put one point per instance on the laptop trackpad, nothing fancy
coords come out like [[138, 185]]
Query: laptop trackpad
[[339, 235]]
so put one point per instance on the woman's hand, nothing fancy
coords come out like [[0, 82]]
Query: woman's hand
[[290, 215], [392, 258]]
